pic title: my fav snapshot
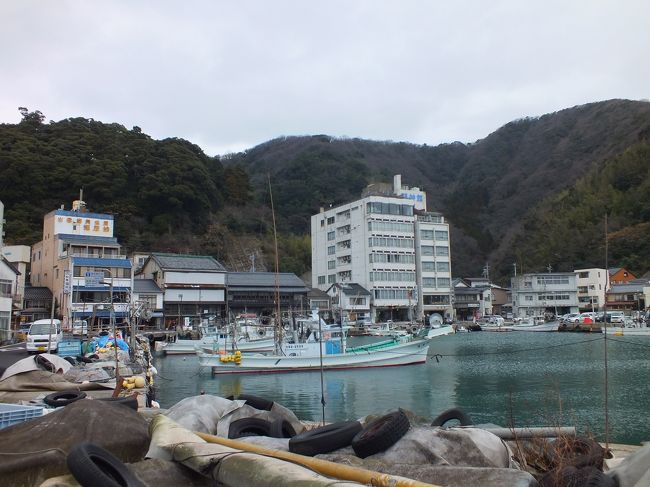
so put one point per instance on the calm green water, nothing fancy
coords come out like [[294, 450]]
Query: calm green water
[[511, 379]]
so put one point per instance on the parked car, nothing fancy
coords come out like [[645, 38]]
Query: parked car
[[571, 318], [587, 317], [42, 333]]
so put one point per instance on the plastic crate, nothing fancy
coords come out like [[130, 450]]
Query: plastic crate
[[70, 348], [15, 413]]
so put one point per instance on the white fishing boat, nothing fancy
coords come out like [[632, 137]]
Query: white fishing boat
[[533, 325], [329, 352], [385, 329], [250, 339]]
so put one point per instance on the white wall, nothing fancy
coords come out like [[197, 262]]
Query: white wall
[[196, 278], [195, 295]]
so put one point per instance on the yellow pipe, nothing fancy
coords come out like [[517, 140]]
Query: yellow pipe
[[325, 467]]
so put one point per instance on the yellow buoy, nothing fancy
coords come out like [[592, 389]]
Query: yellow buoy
[[139, 382]]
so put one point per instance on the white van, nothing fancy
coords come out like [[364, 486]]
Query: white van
[[39, 334]]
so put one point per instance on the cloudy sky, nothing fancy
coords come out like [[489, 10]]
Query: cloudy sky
[[230, 75]]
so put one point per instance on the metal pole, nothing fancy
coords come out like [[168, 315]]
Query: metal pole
[[322, 384], [49, 337]]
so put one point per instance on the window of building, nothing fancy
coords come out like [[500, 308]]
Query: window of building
[[428, 282], [5, 288], [528, 298], [389, 208], [331, 279], [379, 257], [428, 266], [331, 235], [427, 250], [330, 220], [321, 279], [442, 266], [382, 226], [331, 250], [426, 234], [552, 279], [391, 294], [392, 276], [405, 243], [442, 251], [583, 275], [435, 299], [5, 320], [357, 301], [331, 264], [442, 235], [322, 223], [148, 299], [345, 244], [345, 276], [444, 282]]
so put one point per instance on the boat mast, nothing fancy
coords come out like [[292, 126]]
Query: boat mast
[[605, 340], [277, 329]]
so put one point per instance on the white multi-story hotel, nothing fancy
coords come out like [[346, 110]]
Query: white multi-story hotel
[[389, 244]]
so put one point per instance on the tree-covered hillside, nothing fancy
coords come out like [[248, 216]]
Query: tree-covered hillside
[[532, 192]]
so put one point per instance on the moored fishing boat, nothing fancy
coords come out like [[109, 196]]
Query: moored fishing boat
[[626, 331], [329, 351]]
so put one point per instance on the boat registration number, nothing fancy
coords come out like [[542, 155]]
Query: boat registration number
[[41, 349]]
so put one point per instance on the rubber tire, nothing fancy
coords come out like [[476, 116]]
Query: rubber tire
[[324, 439], [249, 427], [380, 434], [571, 476], [282, 428], [92, 466], [63, 398], [451, 414], [254, 401], [128, 401]]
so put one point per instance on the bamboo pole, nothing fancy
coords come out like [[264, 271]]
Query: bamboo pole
[[324, 467]]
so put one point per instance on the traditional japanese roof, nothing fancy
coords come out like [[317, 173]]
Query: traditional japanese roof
[[180, 262], [265, 280], [34, 293], [352, 289], [317, 294], [145, 286]]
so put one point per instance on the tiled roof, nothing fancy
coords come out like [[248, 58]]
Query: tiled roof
[[145, 286], [37, 292], [354, 289], [265, 280], [180, 262], [10, 265]]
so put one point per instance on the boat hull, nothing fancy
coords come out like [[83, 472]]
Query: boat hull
[[414, 352]]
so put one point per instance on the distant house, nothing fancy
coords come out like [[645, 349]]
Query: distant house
[[350, 302], [620, 275], [37, 304], [629, 297], [258, 292], [194, 287], [318, 299]]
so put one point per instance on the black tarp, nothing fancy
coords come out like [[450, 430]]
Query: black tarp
[[35, 450]]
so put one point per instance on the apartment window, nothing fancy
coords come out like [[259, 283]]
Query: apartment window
[[583, 275], [322, 223], [528, 298], [321, 279], [331, 264], [426, 234], [331, 250], [330, 220], [442, 251], [428, 266], [391, 258], [331, 279], [331, 235], [546, 280], [427, 250], [443, 282], [390, 242], [429, 282], [5, 287], [148, 299], [382, 226], [389, 209], [442, 266], [5, 317], [345, 275], [435, 299], [442, 235]]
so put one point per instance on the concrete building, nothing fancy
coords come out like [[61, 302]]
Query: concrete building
[[194, 288], [540, 294], [591, 284], [629, 297], [80, 261], [8, 285], [19, 257], [387, 243], [476, 297], [620, 275]]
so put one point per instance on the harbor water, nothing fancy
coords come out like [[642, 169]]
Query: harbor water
[[514, 379]]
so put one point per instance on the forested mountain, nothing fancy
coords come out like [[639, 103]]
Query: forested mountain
[[533, 192]]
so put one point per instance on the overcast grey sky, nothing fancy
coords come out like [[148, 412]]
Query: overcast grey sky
[[230, 75]]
